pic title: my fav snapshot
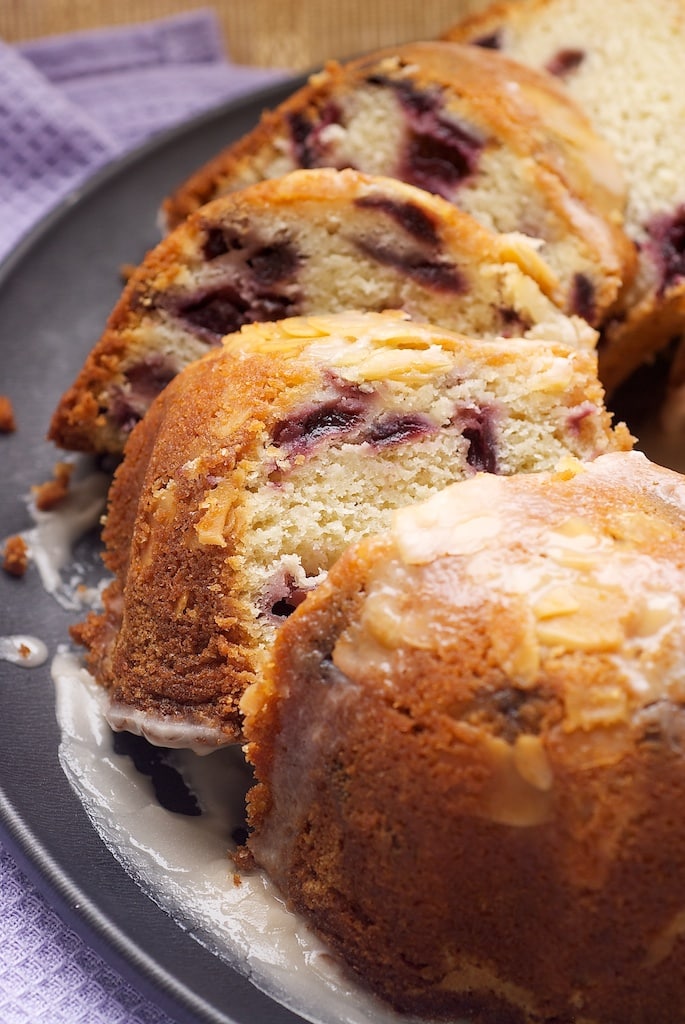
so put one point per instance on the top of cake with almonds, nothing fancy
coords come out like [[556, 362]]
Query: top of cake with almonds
[[469, 750]]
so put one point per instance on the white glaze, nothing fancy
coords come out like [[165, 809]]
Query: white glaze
[[182, 862], [163, 731], [52, 539], [24, 650]]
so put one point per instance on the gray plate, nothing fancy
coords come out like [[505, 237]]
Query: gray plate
[[55, 294]]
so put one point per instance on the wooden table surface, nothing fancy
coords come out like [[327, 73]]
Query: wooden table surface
[[297, 34]]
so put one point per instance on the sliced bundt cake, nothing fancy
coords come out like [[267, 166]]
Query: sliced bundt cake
[[259, 463]]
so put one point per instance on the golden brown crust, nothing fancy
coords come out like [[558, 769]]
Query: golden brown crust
[[464, 843], [636, 337], [167, 644]]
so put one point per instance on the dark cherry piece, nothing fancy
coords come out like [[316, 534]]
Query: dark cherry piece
[[219, 241], [396, 428], [305, 135], [216, 313], [564, 62], [432, 273], [415, 221], [333, 418], [477, 428], [514, 324], [493, 41], [583, 297], [226, 309], [215, 244], [667, 244], [273, 263], [145, 380], [439, 153]]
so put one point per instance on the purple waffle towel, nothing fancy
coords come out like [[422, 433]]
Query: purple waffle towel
[[68, 105]]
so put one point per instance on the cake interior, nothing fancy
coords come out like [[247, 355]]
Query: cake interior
[[393, 421]]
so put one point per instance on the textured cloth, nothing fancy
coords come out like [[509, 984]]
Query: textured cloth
[[68, 105], [48, 974]]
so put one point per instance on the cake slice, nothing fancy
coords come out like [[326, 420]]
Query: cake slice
[[261, 462], [622, 62], [500, 141], [314, 241]]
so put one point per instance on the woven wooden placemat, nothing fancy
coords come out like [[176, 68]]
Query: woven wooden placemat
[[296, 34]]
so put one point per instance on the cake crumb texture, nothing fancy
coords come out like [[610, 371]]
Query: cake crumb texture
[[15, 560], [8, 423]]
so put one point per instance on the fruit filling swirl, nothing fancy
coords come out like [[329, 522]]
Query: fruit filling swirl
[[666, 245], [224, 310], [350, 415], [344, 419], [438, 153], [143, 382], [438, 274], [477, 426], [565, 61], [583, 297], [261, 284], [282, 595], [307, 138], [418, 257], [410, 217]]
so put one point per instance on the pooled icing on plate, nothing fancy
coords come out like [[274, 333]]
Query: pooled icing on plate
[[181, 860], [24, 650]]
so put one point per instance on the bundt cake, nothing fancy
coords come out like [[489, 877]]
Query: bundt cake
[[623, 64], [470, 750], [314, 241], [259, 463], [499, 140]]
